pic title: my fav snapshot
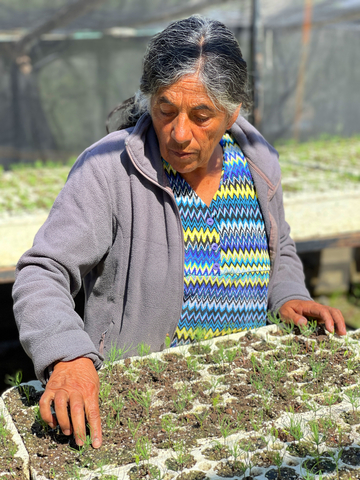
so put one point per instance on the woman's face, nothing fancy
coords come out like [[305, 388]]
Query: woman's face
[[187, 124]]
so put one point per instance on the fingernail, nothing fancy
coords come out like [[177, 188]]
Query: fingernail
[[96, 443], [51, 425], [67, 432], [302, 321]]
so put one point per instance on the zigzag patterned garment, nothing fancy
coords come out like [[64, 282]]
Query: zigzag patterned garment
[[227, 265]]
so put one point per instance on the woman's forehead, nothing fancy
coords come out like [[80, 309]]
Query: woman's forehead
[[188, 90]]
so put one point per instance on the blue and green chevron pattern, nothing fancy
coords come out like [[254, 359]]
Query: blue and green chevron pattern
[[227, 265]]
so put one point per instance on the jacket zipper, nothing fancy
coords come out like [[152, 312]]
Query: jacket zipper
[[171, 195], [102, 342]]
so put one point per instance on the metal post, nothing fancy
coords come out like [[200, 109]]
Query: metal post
[[255, 60]]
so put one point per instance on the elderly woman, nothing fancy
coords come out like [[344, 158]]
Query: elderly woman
[[173, 223]]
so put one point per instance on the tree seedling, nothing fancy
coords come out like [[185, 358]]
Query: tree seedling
[[133, 427], [201, 417], [142, 398], [167, 423], [143, 349]]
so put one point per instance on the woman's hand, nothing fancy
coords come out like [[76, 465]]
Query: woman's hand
[[74, 384], [296, 311]]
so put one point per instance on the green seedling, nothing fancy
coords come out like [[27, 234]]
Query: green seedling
[[157, 366], [105, 389], [353, 397], [201, 417], [288, 327], [117, 404], [15, 381], [192, 364], [316, 437], [115, 354], [317, 368], [215, 401], [143, 349], [143, 449], [167, 423], [330, 398], [134, 427], [142, 398], [231, 355], [295, 426], [278, 459], [184, 397], [214, 383], [308, 329], [39, 420], [181, 453], [226, 428]]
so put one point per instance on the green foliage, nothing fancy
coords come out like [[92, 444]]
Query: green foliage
[[142, 398], [143, 349]]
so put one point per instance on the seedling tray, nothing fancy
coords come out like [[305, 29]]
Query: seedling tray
[[264, 404]]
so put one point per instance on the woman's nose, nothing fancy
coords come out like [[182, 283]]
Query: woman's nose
[[181, 131]]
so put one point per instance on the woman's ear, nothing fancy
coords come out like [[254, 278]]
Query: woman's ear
[[233, 117]]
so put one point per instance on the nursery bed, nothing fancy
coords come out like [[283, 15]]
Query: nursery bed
[[262, 405]]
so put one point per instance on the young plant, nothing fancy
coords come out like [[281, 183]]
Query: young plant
[[316, 437], [143, 349], [181, 452], [330, 398], [278, 458], [115, 354], [39, 420], [142, 398], [167, 423], [192, 363], [295, 426], [117, 404], [143, 449], [15, 381], [184, 397], [353, 397], [105, 389], [226, 428], [201, 417], [133, 427], [157, 366]]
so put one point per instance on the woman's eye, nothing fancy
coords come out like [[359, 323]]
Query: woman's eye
[[202, 119], [166, 114]]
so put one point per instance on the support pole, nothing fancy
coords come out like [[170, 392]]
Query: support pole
[[300, 87], [256, 57]]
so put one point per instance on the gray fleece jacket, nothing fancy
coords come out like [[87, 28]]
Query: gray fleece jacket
[[115, 225]]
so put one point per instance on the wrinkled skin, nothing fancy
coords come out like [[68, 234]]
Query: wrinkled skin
[[74, 384], [296, 311]]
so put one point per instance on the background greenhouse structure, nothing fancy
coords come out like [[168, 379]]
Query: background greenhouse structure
[[65, 64]]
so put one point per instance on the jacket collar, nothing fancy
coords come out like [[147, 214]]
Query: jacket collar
[[143, 148]]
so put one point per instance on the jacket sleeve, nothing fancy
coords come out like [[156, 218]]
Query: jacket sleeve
[[288, 280], [74, 238]]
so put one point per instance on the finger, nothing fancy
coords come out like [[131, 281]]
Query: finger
[[61, 401], [77, 409], [338, 321], [94, 421], [340, 326], [295, 318], [45, 409], [323, 315]]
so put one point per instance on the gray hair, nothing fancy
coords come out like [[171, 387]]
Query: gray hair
[[195, 45]]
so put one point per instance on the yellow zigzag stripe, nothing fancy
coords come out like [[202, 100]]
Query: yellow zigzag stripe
[[226, 283], [238, 191], [186, 334], [201, 235]]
